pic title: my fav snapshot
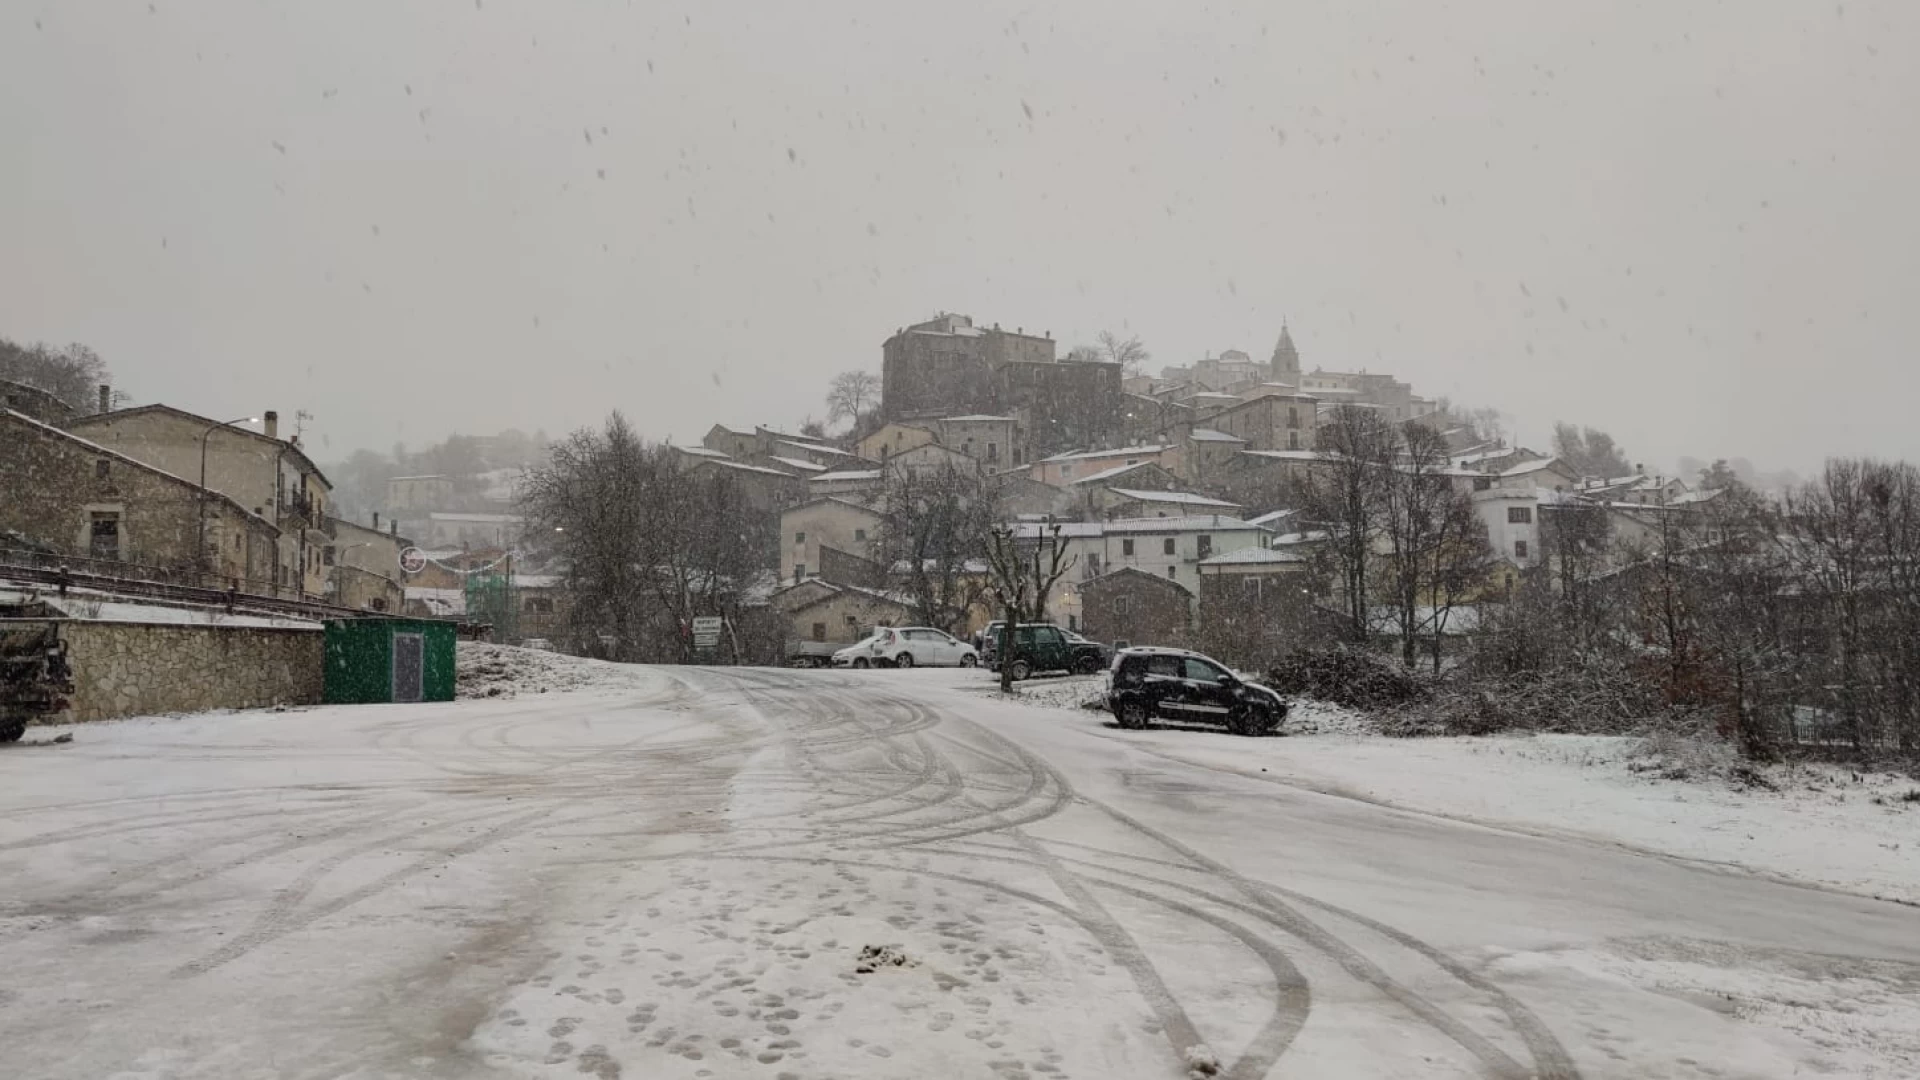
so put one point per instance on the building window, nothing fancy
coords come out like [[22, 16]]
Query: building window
[[1293, 440], [1206, 546], [799, 571], [378, 603], [1482, 483], [993, 451], [326, 557], [1519, 515], [1173, 571], [1519, 549], [1066, 471], [852, 621], [1166, 546], [1121, 604], [103, 536], [1293, 416], [799, 538], [1126, 548], [820, 631], [101, 468]]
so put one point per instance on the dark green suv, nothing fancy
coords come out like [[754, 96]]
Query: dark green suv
[[1049, 648]]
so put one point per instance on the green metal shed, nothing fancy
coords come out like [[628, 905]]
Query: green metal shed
[[376, 660]]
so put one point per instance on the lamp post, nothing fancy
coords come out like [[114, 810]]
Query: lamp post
[[205, 562]]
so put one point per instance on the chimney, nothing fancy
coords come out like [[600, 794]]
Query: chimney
[[273, 424], [393, 526], [376, 521], [106, 398]]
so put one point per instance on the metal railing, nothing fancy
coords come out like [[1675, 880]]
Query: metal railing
[[134, 580]]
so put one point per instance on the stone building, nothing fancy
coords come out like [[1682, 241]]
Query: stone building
[[366, 565], [815, 527], [77, 497], [948, 367], [833, 613], [1134, 606], [35, 403], [271, 476]]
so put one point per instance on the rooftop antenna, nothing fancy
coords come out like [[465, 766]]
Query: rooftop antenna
[[300, 418]]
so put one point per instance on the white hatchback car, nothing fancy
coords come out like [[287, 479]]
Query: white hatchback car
[[907, 646]]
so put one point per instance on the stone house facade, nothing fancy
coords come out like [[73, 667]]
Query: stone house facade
[[832, 613], [1134, 606], [270, 476], [90, 501], [810, 529], [893, 439], [366, 566]]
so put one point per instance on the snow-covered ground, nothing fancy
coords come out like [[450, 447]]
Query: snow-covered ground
[[686, 873]]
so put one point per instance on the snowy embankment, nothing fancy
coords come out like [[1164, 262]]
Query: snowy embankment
[[1823, 825], [493, 671]]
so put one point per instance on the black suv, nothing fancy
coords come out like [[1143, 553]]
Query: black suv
[[1044, 647], [1175, 684]]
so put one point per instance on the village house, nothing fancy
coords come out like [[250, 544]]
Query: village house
[[365, 563], [1136, 607], [1119, 502], [813, 532], [272, 477], [733, 442], [70, 495], [990, 440], [1271, 421], [831, 613], [763, 488], [1171, 548], [42, 405], [850, 483], [1202, 453], [931, 460], [1254, 603], [894, 438]]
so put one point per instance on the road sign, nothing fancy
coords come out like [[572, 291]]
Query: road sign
[[706, 631], [413, 560]]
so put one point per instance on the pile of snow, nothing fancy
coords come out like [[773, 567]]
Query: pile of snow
[[482, 670], [1306, 716], [1075, 692]]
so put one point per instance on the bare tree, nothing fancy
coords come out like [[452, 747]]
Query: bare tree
[[71, 374], [933, 540], [852, 395], [647, 546], [1027, 560], [1413, 498], [1128, 352], [1344, 492]]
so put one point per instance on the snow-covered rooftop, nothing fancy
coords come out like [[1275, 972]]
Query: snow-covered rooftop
[[1081, 455], [1253, 557], [1118, 470], [701, 451], [802, 465], [1178, 498], [1190, 523], [1210, 435], [848, 474]]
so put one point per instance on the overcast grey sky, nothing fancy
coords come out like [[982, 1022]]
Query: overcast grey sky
[[1690, 223]]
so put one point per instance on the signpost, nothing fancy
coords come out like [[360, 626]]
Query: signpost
[[413, 560], [706, 631]]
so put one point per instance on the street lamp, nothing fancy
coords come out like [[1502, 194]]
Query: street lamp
[[204, 436]]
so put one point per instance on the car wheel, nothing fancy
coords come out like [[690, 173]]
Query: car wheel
[[1021, 669], [1086, 665], [1133, 715], [969, 660], [859, 661], [11, 732], [905, 659], [1247, 720]]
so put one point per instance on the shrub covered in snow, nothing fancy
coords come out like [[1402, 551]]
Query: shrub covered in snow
[[1345, 676]]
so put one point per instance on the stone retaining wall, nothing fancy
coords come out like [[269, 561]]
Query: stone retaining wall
[[137, 669]]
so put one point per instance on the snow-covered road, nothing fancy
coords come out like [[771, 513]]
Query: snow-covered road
[[753, 873]]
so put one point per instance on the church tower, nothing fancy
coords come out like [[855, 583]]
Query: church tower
[[1286, 359]]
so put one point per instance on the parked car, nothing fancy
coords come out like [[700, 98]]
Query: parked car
[[1174, 684], [1045, 647], [908, 646]]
